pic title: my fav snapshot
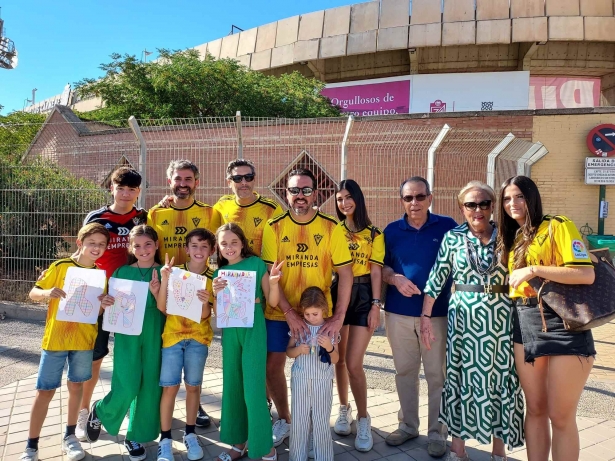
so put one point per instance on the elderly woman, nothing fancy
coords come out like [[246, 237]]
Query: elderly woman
[[481, 398]]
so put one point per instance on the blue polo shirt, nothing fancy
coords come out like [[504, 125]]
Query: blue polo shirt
[[412, 252]]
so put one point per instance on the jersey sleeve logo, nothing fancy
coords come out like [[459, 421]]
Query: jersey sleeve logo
[[196, 221], [302, 248], [285, 239], [317, 239], [180, 230], [578, 250], [257, 221]]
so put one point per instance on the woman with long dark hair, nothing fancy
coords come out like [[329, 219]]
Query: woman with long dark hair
[[366, 244], [553, 363]]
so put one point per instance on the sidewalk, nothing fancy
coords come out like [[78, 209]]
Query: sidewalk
[[597, 434]]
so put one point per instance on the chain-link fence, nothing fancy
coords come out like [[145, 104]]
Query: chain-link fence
[[49, 187]]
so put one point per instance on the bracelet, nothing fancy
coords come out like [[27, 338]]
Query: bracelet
[[287, 311], [425, 315], [376, 301], [332, 350]]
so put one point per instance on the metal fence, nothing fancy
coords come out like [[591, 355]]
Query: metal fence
[[64, 173]]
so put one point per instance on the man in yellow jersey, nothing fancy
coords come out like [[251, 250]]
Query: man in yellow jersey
[[246, 207], [313, 246], [184, 214]]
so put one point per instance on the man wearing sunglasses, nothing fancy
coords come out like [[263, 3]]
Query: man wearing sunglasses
[[412, 245], [313, 246], [245, 206]]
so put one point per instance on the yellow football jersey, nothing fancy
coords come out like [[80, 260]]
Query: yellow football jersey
[[61, 335], [311, 251], [178, 328], [366, 246], [251, 218], [172, 224], [570, 250]]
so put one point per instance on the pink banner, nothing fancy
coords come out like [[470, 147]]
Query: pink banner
[[564, 92], [374, 99]]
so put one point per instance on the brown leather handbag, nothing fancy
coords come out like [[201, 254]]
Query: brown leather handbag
[[581, 307]]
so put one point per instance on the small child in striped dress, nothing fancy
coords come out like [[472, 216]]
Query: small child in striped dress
[[311, 381]]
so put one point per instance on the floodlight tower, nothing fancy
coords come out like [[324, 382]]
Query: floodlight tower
[[8, 52]]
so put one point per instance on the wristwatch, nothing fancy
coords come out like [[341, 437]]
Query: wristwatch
[[377, 302]]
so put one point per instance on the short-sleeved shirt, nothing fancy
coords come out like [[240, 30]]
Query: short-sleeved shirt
[[366, 246], [60, 335], [412, 253], [569, 251], [311, 251], [172, 224], [178, 328], [251, 218], [119, 226]]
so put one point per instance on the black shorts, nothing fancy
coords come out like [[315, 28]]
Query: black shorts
[[527, 330], [360, 303], [101, 346]]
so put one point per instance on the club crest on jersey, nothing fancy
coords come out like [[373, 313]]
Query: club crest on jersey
[[196, 221], [541, 239], [257, 221], [578, 250], [136, 220], [317, 239]]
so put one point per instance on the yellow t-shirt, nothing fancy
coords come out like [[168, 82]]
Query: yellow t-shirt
[[178, 328], [570, 250], [61, 335], [172, 225], [251, 218], [311, 251], [363, 249]]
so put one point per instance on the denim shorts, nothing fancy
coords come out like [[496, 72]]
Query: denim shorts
[[277, 335], [52, 365], [187, 354]]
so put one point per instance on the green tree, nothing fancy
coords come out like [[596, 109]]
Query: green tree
[[17, 130], [181, 85]]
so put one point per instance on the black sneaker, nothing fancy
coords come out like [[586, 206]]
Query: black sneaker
[[136, 451], [202, 418], [92, 427]]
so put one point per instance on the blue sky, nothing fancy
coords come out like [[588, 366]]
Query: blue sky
[[63, 41]]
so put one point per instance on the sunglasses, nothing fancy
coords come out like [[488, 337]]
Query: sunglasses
[[419, 198], [238, 177], [307, 191], [473, 206]]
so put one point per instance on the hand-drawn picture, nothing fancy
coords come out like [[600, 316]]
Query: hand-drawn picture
[[181, 298], [127, 312], [82, 288], [235, 304]]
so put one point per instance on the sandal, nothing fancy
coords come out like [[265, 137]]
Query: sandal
[[272, 458], [227, 457]]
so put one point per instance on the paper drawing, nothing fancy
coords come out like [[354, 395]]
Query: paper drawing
[[182, 299], [235, 304], [127, 312], [82, 288]]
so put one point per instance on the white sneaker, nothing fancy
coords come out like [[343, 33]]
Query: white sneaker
[[281, 431], [82, 422], [165, 450], [72, 448], [364, 441], [344, 420], [29, 454], [452, 456], [193, 446]]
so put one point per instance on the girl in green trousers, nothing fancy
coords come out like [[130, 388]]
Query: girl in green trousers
[[136, 360], [245, 421]]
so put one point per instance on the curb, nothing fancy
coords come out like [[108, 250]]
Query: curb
[[23, 311]]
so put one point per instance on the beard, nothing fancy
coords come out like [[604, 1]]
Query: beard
[[301, 209], [183, 194]]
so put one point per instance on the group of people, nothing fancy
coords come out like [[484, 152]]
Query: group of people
[[457, 301]]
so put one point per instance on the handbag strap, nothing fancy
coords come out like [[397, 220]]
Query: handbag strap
[[544, 282]]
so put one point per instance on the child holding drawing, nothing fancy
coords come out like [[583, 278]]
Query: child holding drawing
[[65, 341], [185, 346], [245, 415], [311, 381], [136, 362]]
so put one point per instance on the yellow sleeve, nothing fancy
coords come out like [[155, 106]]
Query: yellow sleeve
[[278, 210], [216, 220], [269, 248], [569, 244], [50, 278], [150, 217], [377, 256], [340, 254]]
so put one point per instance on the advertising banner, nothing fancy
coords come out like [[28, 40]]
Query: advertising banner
[[564, 92]]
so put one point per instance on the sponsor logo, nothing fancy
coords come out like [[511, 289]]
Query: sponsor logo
[[317, 239], [435, 240], [196, 221], [123, 231], [437, 106], [353, 246], [285, 239], [257, 221], [578, 250], [180, 230], [368, 240], [108, 226], [165, 223], [302, 247]]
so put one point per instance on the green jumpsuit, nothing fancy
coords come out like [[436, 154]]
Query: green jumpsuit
[[136, 373], [245, 415]]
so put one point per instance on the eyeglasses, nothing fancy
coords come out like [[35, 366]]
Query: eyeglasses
[[307, 191], [473, 206], [419, 198], [238, 177]]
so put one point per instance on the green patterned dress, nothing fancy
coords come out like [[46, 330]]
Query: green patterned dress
[[481, 397]]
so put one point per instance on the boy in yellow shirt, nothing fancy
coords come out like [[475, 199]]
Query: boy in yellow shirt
[[185, 345], [65, 341]]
